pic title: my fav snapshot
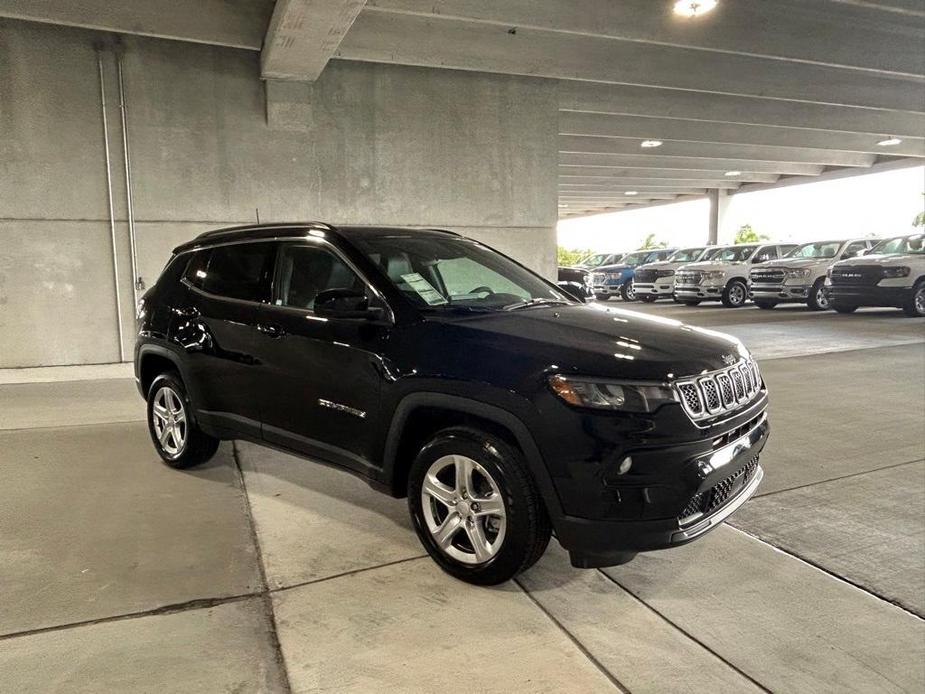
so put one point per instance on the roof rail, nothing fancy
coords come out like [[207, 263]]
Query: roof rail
[[266, 225]]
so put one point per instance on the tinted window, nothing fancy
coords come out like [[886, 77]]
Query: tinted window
[[819, 249], [305, 271], [238, 271], [765, 254], [854, 248]]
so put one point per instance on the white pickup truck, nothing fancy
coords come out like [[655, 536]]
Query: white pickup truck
[[725, 276], [654, 281], [892, 274], [800, 276]]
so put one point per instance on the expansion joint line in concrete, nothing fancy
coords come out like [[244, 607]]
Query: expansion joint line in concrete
[[578, 644], [836, 479], [685, 632]]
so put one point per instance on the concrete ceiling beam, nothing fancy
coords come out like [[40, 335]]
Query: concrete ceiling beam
[[586, 183], [629, 100], [700, 150], [303, 35], [658, 175], [669, 164], [853, 35], [429, 41]]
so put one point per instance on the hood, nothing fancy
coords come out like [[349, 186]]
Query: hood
[[705, 265], [796, 263], [597, 341], [619, 267], [658, 265], [881, 260]]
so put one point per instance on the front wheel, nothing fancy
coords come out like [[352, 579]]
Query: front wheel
[[475, 507], [628, 291], [735, 294], [766, 305], [915, 304], [818, 299], [177, 438]]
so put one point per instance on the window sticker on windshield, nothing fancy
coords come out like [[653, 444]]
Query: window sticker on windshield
[[424, 289]]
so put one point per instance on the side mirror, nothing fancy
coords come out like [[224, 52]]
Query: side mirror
[[344, 303], [574, 290]]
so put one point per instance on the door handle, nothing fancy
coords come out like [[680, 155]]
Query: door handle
[[187, 311], [271, 329]]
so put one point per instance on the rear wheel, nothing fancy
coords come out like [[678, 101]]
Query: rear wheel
[[915, 304], [628, 291], [177, 438], [475, 507], [844, 308], [766, 305], [818, 299], [735, 294]]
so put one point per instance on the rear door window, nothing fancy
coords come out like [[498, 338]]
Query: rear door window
[[237, 271]]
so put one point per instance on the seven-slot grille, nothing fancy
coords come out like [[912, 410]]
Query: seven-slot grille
[[706, 502], [719, 392], [767, 276], [867, 275], [688, 277]]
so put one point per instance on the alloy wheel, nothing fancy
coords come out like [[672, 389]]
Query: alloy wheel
[[168, 415], [919, 301], [463, 509], [822, 300], [736, 294]]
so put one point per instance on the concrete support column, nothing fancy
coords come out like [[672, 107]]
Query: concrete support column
[[719, 203]]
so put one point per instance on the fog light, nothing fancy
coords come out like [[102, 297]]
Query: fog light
[[625, 466]]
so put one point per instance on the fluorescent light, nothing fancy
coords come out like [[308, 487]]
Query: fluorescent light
[[693, 8], [890, 142], [651, 143], [562, 204], [733, 173], [632, 192]]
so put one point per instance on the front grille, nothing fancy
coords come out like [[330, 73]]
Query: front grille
[[596, 278], [719, 392], [643, 276], [767, 276], [717, 496], [688, 277], [865, 275]]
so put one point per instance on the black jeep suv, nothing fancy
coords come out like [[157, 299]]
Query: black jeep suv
[[438, 369]]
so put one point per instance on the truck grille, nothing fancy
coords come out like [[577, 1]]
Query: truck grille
[[706, 502], [767, 276], [688, 277], [719, 392], [867, 275], [644, 276]]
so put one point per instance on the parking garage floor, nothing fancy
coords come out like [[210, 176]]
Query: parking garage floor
[[261, 572]]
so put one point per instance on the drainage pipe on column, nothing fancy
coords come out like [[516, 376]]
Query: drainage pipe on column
[[112, 217], [137, 283]]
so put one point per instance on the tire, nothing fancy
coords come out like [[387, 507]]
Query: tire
[[648, 299], [844, 308], [498, 472], [914, 306], [689, 302], [602, 297], [766, 305], [177, 438], [735, 294], [818, 301], [627, 291]]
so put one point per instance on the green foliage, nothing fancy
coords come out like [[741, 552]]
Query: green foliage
[[650, 242], [566, 256], [919, 220], [746, 234]]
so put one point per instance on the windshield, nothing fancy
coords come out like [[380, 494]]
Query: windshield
[[710, 253], [914, 244], [449, 272], [598, 259], [686, 255], [634, 259], [822, 249], [733, 254]]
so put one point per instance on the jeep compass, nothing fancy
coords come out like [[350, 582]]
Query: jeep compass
[[440, 370]]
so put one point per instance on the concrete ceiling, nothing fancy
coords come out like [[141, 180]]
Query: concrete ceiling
[[773, 89]]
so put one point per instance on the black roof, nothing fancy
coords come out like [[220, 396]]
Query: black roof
[[249, 232]]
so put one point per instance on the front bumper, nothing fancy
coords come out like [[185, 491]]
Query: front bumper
[[700, 475], [699, 291], [607, 289], [779, 292], [867, 295], [659, 289]]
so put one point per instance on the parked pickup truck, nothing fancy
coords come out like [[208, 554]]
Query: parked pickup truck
[[893, 274], [654, 281], [800, 276], [614, 280], [724, 276], [576, 279]]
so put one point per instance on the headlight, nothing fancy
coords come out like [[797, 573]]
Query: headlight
[[665, 273], [798, 274], [892, 272], [713, 275], [605, 394]]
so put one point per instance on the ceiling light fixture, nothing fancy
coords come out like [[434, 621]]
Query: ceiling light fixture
[[733, 173], [693, 8], [651, 143], [890, 142], [562, 204], [632, 192]]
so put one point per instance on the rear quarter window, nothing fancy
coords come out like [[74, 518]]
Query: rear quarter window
[[236, 271]]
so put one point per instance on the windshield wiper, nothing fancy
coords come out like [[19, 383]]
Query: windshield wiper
[[535, 302]]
